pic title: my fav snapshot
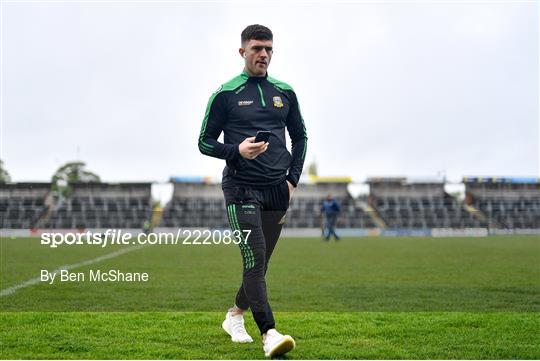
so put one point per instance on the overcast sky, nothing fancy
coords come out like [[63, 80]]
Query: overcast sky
[[412, 89]]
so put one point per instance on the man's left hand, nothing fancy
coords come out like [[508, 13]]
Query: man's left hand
[[291, 190]]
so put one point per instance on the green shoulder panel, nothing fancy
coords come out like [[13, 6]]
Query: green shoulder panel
[[280, 84], [234, 83], [228, 86]]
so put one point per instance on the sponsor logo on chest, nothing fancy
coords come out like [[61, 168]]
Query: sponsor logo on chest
[[244, 103]]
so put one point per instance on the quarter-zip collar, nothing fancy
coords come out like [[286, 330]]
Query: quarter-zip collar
[[254, 79]]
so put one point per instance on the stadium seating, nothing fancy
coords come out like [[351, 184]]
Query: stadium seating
[[202, 205], [195, 205], [509, 202], [395, 203], [22, 204], [102, 205], [305, 208], [418, 205]]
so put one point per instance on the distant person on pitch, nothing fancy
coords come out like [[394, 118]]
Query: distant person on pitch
[[254, 111], [330, 209]]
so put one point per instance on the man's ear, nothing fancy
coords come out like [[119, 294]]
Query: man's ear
[[243, 53]]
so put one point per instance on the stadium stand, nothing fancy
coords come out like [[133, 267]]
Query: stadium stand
[[202, 205], [305, 208], [195, 205], [394, 203], [418, 205], [101, 205], [23, 204], [509, 202]]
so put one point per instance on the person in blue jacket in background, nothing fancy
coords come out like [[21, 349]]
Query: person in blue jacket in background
[[331, 209]]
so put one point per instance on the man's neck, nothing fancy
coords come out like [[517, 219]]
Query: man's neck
[[254, 75]]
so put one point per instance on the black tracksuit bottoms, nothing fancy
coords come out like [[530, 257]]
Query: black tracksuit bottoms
[[259, 214]]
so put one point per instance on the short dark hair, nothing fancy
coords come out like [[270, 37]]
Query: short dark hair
[[256, 32]]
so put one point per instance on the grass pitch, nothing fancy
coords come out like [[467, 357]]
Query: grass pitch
[[435, 298]]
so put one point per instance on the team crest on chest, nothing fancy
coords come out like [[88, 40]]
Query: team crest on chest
[[278, 103]]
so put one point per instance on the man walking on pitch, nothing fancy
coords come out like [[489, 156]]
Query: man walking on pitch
[[259, 177], [331, 209]]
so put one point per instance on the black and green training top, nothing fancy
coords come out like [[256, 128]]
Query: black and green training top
[[240, 108]]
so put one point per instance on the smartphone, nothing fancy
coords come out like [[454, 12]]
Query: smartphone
[[262, 136]]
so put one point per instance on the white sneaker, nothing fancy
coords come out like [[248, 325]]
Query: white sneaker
[[276, 344], [234, 326]]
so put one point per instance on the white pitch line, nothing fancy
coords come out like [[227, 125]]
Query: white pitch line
[[10, 290]]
